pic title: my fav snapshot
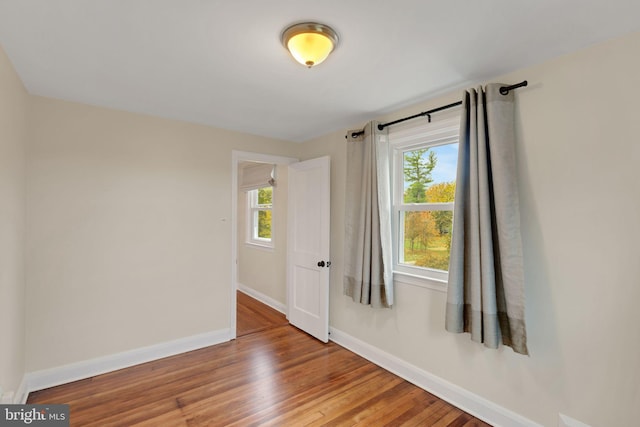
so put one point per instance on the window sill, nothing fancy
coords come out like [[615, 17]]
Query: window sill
[[268, 247], [420, 281]]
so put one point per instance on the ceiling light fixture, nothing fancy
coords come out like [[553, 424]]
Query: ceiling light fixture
[[309, 42]]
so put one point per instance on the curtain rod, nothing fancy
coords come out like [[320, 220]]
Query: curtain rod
[[503, 90]]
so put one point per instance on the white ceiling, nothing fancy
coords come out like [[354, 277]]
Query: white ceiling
[[221, 63]]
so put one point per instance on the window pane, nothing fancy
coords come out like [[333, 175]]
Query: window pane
[[430, 174], [264, 224], [265, 195], [427, 239]]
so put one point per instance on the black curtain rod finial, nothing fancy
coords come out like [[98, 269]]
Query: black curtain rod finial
[[506, 89]]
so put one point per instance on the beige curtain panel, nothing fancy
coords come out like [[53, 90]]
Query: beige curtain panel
[[368, 274], [486, 280]]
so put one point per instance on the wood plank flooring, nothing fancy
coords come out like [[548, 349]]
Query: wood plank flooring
[[253, 316], [271, 375]]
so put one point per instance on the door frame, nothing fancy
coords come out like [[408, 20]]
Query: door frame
[[236, 158]]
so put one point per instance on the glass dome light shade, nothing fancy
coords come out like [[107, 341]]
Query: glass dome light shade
[[309, 43]]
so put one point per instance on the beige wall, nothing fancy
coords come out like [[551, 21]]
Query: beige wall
[[265, 270], [578, 155], [128, 240], [13, 136]]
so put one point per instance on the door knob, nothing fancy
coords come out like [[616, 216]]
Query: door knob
[[321, 264]]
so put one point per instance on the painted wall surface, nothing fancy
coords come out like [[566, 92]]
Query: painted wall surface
[[265, 270], [578, 154], [13, 137], [129, 230], [128, 240]]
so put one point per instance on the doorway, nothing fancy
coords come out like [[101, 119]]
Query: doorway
[[258, 271]]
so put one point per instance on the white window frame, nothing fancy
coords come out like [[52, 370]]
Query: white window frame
[[252, 218], [408, 138]]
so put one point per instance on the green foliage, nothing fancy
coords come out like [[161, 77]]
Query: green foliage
[[415, 193], [427, 233], [425, 245], [435, 260], [433, 254], [418, 228], [417, 171], [264, 224], [265, 197], [442, 193]]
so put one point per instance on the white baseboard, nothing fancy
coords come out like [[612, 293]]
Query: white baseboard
[[21, 395], [17, 397], [566, 421], [276, 305], [46, 378], [461, 398]]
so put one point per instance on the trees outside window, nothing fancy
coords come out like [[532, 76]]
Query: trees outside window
[[425, 167], [260, 203], [426, 210]]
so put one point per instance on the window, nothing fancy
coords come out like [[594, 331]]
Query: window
[[425, 164], [260, 203]]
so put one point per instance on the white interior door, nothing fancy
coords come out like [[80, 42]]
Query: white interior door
[[308, 247]]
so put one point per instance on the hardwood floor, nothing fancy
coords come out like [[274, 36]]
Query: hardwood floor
[[253, 316], [271, 375]]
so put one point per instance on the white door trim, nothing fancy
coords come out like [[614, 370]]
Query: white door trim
[[236, 158]]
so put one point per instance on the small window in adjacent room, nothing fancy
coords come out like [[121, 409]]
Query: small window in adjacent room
[[260, 202], [425, 165]]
